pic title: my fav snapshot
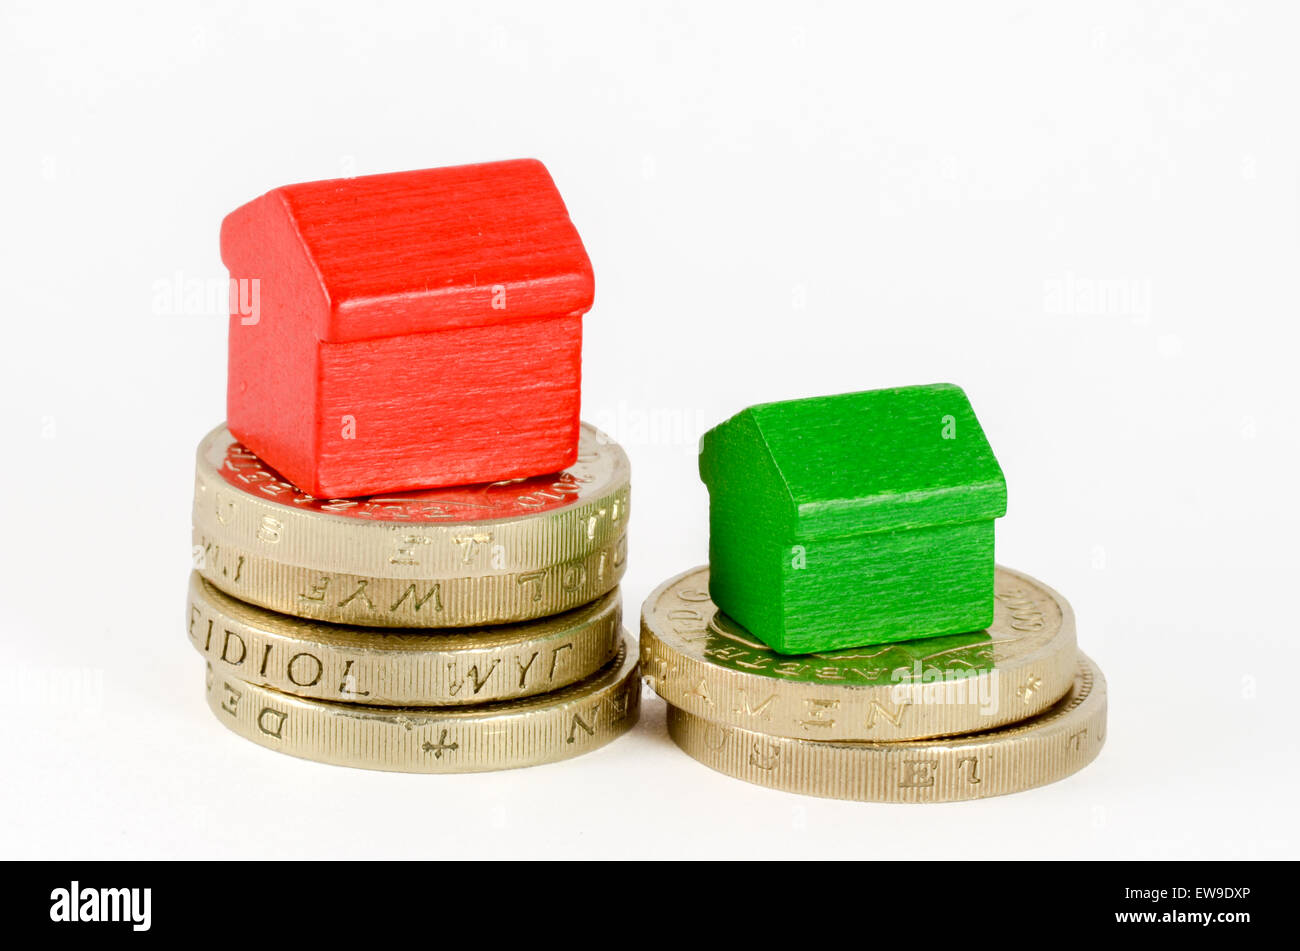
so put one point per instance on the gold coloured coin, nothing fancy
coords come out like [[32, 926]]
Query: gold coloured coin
[[452, 557], [1041, 750], [388, 602], [420, 667], [701, 661], [539, 729]]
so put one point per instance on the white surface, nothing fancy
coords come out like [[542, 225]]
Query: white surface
[[777, 204]]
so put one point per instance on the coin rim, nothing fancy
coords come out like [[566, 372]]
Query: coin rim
[[275, 594], [391, 656], [847, 770], [334, 543], [517, 719], [1053, 662]]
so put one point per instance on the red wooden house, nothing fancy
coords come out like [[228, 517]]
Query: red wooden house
[[411, 330]]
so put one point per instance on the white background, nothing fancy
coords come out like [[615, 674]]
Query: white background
[[1087, 216]]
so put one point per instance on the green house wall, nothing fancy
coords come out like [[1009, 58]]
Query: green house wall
[[853, 520], [847, 592]]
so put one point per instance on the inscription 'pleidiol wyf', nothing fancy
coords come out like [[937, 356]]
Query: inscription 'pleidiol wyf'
[[407, 598], [401, 666]]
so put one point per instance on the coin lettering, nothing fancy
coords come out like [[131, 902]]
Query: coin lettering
[[454, 557], [401, 665], [271, 721], [570, 720], [1006, 759], [918, 773]]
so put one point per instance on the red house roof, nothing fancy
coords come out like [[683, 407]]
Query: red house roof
[[411, 252]]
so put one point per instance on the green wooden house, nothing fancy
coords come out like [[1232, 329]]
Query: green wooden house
[[863, 518]]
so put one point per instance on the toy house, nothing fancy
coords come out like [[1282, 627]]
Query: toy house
[[409, 330], [850, 520]]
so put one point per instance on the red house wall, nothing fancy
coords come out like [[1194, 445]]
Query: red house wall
[[476, 404]]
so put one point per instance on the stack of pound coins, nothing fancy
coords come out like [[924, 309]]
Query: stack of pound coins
[[444, 630], [929, 720]]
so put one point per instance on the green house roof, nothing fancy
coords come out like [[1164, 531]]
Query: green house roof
[[878, 460]]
